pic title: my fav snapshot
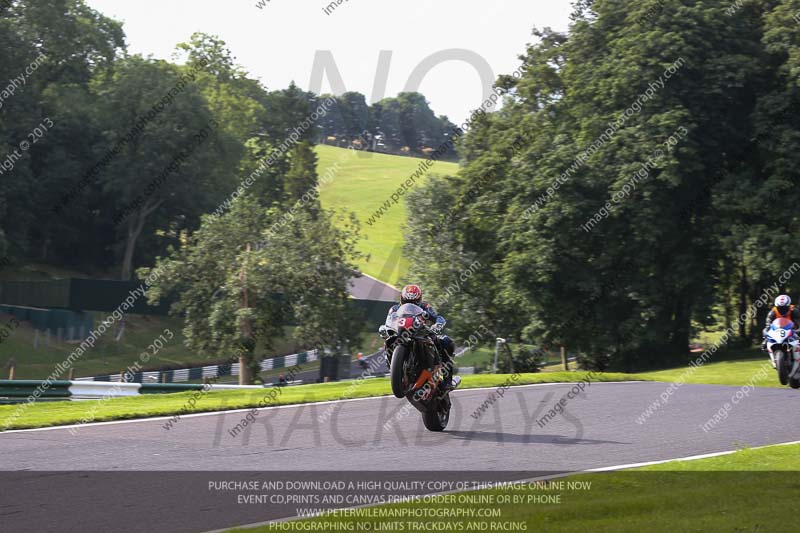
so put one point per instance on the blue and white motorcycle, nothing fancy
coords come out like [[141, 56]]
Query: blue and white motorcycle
[[783, 346]]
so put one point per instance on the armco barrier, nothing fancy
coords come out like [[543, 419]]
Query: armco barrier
[[211, 371], [100, 389], [166, 388], [27, 387]]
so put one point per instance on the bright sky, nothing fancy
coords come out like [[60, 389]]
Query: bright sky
[[279, 42]]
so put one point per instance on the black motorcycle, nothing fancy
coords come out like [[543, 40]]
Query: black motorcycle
[[415, 364]]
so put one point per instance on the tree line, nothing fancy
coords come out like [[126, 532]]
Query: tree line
[[405, 125], [114, 164], [140, 149], [672, 126]]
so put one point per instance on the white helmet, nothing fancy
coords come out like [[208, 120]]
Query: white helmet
[[783, 301]]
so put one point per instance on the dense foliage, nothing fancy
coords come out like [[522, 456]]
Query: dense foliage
[[113, 161], [139, 149], [653, 194]]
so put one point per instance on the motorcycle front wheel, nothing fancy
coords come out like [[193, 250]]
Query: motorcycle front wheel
[[783, 364], [437, 419], [398, 371]]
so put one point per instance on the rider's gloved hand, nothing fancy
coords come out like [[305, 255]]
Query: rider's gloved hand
[[437, 328]]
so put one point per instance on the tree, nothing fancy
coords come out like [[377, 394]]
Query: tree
[[711, 143], [332, 123], [236, 296], [355, 113], [420, 127], [163, 148], [68, 42], [235, 100], [286, 110], [385, 120], [301, 180]]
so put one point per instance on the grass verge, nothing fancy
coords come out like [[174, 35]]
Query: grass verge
[[61, 413], [732, 373], [735, 373], [736, 492]]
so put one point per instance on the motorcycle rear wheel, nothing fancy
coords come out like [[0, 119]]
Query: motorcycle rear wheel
[[782, 362], [398, 371], [437, 419]]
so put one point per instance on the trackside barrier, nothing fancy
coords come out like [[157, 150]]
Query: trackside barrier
[[99, 389], [22, 388], [210, 371]]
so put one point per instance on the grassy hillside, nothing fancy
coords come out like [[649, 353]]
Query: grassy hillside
[[362, 184]]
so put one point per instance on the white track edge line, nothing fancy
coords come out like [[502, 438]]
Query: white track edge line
[[288, 406]]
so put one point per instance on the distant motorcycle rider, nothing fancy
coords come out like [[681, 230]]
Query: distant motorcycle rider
[[412, 294], [783, 309]]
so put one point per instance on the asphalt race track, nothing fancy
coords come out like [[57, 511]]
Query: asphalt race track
[[596, 429]]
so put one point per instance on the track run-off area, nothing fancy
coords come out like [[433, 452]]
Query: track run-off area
[[175, 476]]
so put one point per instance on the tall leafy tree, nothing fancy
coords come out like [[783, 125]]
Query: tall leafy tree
[[713, 137], [175, 158], [301, 180], [68, 42], [332, 124], [385, 120], [236, 296], [355, 113]]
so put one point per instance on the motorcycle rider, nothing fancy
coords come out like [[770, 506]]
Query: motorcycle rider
[[783, 309], [412, 294]]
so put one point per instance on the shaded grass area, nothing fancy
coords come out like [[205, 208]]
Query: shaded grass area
[[43, 272], [483, 357], [734, 372], [480, 356], [736, 492], [734, 368], [62, 413], [37, 355]]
